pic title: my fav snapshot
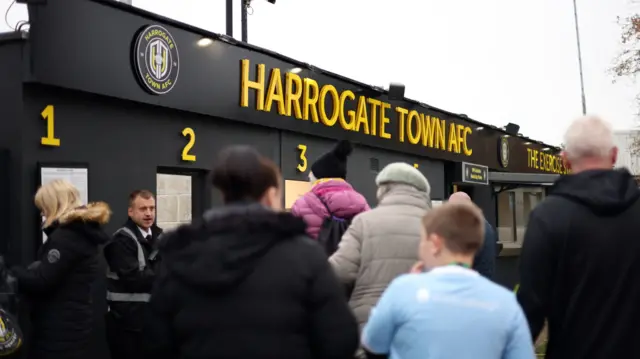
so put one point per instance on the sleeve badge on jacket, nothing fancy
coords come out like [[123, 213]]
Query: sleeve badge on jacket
[[53, 256]]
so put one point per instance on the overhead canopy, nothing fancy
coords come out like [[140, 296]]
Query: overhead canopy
[[523, 178]]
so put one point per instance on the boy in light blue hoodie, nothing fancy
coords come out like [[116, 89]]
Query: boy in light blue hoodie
[[444, 309]]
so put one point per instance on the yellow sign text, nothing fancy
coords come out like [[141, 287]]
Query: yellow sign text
[[546, 162], [477, 174], [305, 99]]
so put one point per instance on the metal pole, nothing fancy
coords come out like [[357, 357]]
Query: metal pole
[[584, 99], [229, 10], [243, 19]]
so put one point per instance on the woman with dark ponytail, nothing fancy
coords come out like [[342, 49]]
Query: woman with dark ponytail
[[245, 281], [331, 194]]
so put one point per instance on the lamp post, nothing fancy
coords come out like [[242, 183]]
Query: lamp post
[[243, 19], [584, 99], [229, 20], [244, 8]]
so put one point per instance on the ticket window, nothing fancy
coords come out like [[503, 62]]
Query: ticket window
[[173, 200], [514, 208]]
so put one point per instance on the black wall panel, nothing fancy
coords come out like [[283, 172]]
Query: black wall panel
[[209, 80], [359, 171], [290, 154], [124, 144], [365, 177], [5, 199], [10, 137]]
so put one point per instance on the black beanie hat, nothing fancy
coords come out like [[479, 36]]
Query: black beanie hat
[[333, 164]]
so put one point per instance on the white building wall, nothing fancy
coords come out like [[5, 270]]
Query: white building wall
[[624, 140]]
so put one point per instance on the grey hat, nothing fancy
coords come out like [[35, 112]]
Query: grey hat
[[400, 172]]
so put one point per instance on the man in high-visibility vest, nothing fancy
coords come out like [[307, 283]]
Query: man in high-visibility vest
[[131, 257]]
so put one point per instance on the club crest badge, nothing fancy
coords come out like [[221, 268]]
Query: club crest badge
[[503, 152], [156, 60]]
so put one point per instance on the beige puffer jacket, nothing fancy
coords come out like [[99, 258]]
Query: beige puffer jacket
[[380, 245]]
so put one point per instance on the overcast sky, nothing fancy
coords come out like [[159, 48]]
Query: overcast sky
[[497, 61]]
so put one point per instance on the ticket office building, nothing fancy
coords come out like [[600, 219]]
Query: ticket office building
[[146, 97]]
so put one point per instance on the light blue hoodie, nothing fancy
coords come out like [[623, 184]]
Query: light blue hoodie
[[448, 313]]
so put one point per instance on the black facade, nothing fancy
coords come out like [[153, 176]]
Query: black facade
[[85, 74], [80, 60]]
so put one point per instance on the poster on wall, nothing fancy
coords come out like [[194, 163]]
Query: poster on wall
[[294, 190], [78, 176]]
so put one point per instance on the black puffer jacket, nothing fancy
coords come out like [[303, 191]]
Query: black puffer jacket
[[246, 282], [59, 285]]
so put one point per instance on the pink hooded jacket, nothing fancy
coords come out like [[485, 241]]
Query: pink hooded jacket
[[339, 196]]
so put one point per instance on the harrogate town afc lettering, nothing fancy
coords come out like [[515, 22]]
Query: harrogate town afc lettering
[[305, 100]]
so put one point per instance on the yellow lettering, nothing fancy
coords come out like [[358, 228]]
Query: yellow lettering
[[546, 162], [301, 167], [402, 112], [361, 115], [48, 114], [329, 89], [349, 126], [440, 130], [310, 100], [293, 98], [414, 138], [384, 120], [427, 131], [459, 129], [304, 98], [275, 92], [453, 139], [374, 112], [246, 84], [186, 155], [466, 149]]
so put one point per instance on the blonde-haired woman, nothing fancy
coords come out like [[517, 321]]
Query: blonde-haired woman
[[59, 283]]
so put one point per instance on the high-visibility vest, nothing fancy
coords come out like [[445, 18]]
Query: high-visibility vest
[[142, 263]]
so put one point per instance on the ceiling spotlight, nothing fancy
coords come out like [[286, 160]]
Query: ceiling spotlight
[[295, 70], [479, 128], [527, 143], [204, 42], [546, 149]]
